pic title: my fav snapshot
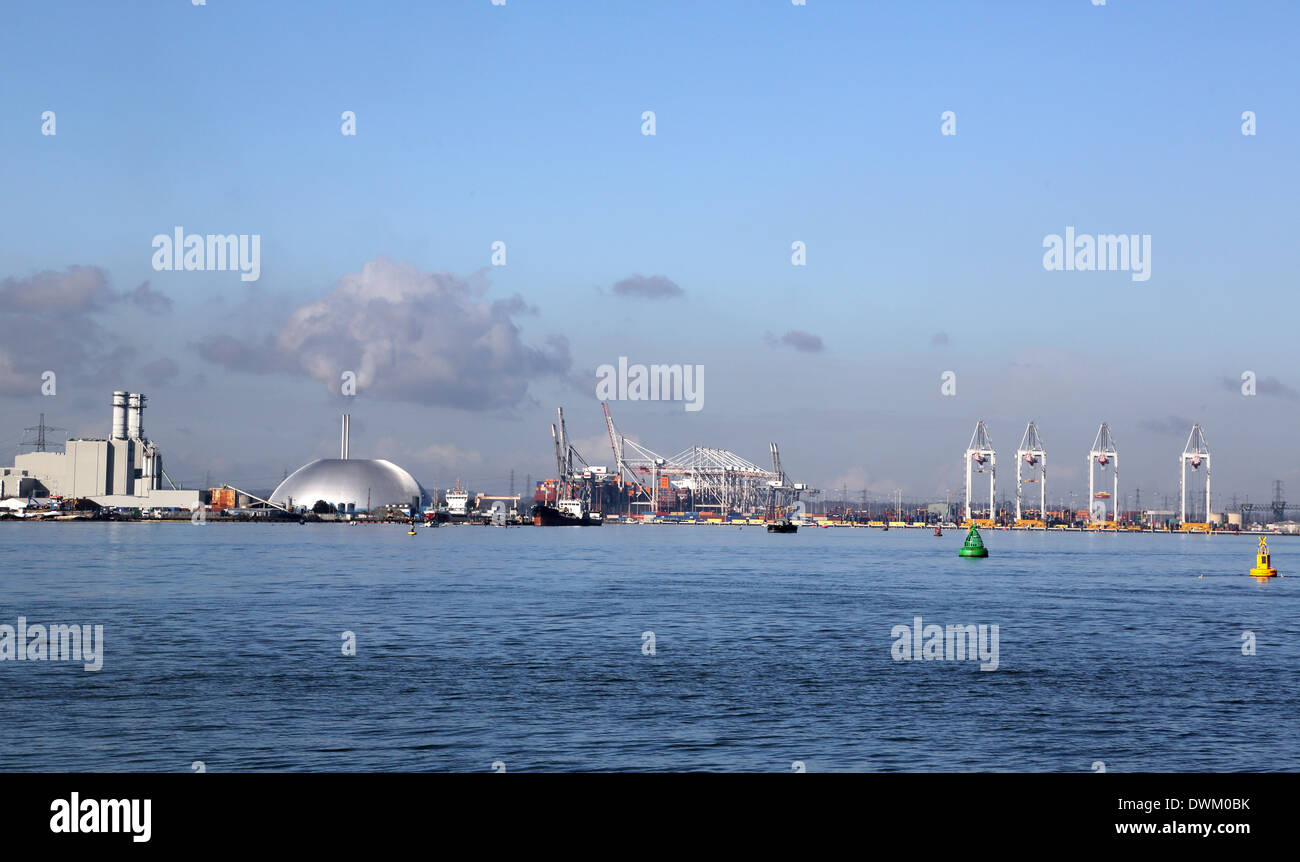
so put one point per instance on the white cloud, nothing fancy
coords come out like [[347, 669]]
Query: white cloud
[[425, 338]]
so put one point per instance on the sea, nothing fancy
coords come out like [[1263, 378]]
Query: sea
[[331, 648]]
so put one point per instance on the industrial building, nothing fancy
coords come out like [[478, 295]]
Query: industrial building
[[350, 485], [124, 470]]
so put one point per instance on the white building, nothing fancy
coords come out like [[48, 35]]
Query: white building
[[124, 470]]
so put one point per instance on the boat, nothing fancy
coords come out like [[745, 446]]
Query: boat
[[458, 505], [572, 488], [786, 526], [565, 513]]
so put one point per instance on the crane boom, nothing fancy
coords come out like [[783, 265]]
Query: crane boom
[[620, 465], [559, 462], [613, 438], [564, 443], [776, 464]]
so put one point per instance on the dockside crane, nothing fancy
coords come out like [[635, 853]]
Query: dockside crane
[[784, 493], [776, 464], [621, 469], [570, 475], [714, 479], [781, 490]]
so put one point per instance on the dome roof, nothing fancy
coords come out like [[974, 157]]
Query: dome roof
[[349, 484]]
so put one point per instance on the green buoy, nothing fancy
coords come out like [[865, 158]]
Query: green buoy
[[974, 546]]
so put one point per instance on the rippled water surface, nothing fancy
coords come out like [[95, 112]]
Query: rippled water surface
[[525, 646]]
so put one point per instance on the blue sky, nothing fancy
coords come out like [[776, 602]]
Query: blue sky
[[775, 123]]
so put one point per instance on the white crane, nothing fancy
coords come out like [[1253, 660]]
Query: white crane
[[1197, 454], [1101, 456], [980, 458], [1031, 455]]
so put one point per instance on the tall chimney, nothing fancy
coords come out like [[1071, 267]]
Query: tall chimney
[[135, 404], [119, 415], [343, 447]]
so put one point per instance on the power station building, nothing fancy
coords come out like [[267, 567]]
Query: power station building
[[124, 470]]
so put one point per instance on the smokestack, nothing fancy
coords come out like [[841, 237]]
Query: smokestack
[[135, 404], [119, 415], [343, 445]]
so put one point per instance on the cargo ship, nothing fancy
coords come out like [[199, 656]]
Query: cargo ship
[[458, 505], [565, 513], [572, 488]]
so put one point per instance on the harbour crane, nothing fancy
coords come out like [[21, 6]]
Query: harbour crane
[[574, 480]]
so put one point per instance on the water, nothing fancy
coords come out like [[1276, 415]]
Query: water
[[476, 645]]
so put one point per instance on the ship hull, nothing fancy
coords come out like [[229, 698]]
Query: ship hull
[[549, 516]]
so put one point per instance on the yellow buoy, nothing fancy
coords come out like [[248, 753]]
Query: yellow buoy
[[1263, 564]]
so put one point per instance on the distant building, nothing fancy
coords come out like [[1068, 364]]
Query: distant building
[[1159, 517], [124, 470], [351, 484]]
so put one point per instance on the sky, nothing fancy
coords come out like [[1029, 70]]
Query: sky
[[774, 124]]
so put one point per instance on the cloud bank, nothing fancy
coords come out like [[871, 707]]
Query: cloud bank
[[407, 335], [50, 324]]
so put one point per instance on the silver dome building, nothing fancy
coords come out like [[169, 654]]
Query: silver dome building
[[350, 485]]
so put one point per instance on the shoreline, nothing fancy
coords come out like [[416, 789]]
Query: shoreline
[[215, 519]]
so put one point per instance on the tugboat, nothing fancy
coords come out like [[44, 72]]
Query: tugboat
[[783, 526]]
